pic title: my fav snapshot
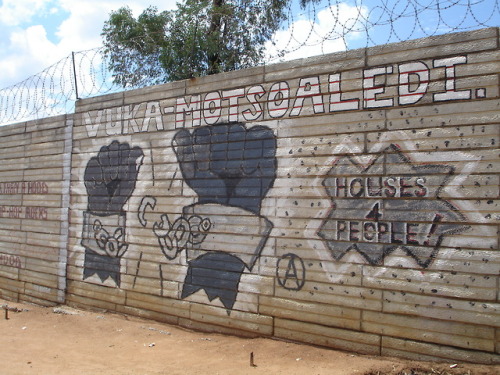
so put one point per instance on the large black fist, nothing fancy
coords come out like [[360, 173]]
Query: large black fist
[[228, 164], [110, 177]]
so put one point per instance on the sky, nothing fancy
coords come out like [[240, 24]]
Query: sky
[[35, 34]]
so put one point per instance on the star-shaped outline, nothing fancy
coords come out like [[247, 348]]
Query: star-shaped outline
[[394, 151]]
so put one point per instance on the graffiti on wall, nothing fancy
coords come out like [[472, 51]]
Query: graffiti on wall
[[110, 178], [388, 204], [291, 272], [11, 260], [219, 232], [307, 96], [20, 189], [230, 168]]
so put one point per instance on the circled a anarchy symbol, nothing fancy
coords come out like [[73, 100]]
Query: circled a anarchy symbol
[[291, 272]]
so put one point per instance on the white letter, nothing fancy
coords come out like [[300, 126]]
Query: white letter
[[113, 126], [336, 102], [153, 111], [308, 87], [212, 107], [183, 109], [278, 99], [233, 96], [129, 115], [416, 68], [450, 93], [253, 93], [92, 128], [370, 91]]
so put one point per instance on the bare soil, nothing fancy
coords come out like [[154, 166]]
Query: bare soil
[[61, 340]]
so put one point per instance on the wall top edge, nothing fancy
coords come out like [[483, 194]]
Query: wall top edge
[[22, 125], [481, 34]]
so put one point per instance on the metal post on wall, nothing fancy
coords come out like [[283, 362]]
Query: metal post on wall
[[74, 75]]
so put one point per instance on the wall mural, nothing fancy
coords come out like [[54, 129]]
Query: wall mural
[[110, 179], [231, 169], [375, 212], [390, 203]]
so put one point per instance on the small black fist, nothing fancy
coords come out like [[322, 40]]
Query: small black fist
[[110, 177]]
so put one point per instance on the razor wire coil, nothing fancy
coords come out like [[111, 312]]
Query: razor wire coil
[[351, 24]]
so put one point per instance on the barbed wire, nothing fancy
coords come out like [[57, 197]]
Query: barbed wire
[[54, 90], [322, 27]]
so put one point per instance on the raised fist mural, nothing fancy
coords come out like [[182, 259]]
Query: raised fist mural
[[228, 164], [231, 169], [110, 179]]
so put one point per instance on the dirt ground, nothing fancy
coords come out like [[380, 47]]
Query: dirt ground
[[53, 341]]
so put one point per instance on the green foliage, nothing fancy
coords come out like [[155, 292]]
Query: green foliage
[[198, 38], [134, 45]]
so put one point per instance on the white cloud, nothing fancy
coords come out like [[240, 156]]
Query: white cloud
[[16, 12], [304, 38], [82, 29], [27, 49], [34, 42], [32, 49]]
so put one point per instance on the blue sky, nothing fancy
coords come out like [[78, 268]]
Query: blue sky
[[35, 34]]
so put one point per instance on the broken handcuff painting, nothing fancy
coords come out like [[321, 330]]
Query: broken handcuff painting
[[110, 179], [374, 212], [231, 169]]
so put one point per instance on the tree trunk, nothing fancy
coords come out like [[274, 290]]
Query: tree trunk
[[214, 59]]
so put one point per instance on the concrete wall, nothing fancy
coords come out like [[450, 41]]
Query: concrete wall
[[34, 197], [347, 200]]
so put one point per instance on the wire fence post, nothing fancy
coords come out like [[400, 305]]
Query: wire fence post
[[74, 75]]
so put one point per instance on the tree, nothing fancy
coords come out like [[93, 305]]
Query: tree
[[200, 37]]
